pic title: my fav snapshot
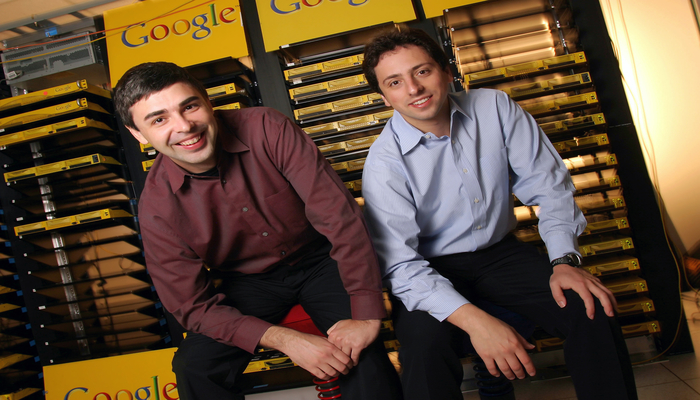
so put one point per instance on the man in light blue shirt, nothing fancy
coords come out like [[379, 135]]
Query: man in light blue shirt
[[437, 185]]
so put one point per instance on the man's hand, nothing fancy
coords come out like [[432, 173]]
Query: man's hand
[[352, 336], [311, 352], [566, 277], [497, 343]]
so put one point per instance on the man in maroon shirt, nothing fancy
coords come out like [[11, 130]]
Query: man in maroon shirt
[[246, 198]]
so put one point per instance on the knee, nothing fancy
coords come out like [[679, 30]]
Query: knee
[[575, 303], [199, 355], [577, 313], [180, 363], [184, 364]]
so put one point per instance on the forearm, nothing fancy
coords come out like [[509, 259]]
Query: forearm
[[278, 338], [468, 317]]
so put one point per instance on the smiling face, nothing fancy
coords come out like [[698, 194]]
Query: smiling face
[[179, 123], [415, 85]]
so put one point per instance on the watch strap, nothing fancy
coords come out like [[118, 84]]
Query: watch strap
[[572, 259]]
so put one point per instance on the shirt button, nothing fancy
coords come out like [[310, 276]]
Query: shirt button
[[476, 200], [284, 253], [453, 141], [478, 227], [427, 136], [245, 209], [223, 181], [265, 233], [464, 170]]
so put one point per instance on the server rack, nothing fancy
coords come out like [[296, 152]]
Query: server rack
[[332, 101], [538, 53], [68, 204]]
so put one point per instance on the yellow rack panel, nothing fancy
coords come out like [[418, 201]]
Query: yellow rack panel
[[9, 359], [606, 246], [49, 112], [524, 68], [60, 166], [48, 130], [641, 305], [354, 144], [544, 86], [602, 226], [573, 123], [57, 91], [20, 394], [611, 267], [328, 87], [223, 90], [350, 123], [230, 106], [568, 145], [72, 220], [355, 185], [296, 74], [628, 285], [338, 106], [349, 166], [643, 328], [561, 104], [147, 165]]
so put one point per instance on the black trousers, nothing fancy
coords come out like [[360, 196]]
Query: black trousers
[[206, 369], [515, 276]]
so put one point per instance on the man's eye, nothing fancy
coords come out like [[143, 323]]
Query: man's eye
[[393, 83], [158, 120]]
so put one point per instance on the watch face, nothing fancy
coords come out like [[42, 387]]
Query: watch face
[[575, 259]]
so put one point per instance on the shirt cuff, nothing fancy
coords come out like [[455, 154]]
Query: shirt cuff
[[255, 329], [367, 306], [442, 303], [560, 243]]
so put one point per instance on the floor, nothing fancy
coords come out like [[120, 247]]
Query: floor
[[672, 378]]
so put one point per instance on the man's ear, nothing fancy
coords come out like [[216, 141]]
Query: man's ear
[[135, 133], [386, 102], [450, 74]]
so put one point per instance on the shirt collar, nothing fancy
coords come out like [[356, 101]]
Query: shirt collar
[[409, 136], [226, 141]]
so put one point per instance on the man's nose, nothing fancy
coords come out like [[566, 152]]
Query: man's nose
[[182, 124], [414, 86]]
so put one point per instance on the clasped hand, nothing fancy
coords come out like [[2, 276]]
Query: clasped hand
[[329, 357]]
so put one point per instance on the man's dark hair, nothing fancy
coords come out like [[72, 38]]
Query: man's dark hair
[[145, 79], [389, 41]]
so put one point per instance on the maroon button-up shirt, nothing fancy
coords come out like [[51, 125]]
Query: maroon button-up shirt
[[275, 193]]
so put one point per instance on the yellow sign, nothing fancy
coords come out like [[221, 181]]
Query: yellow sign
[[434, 8], [182, 32], [285, 22], [145, 376]]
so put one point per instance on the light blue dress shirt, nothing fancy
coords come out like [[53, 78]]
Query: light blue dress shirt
[[427, 196]]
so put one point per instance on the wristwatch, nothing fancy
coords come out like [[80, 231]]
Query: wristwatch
[[572, 259]]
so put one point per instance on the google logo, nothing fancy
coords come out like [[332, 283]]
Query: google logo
[[182, 27], [296, 6], [143, 393]]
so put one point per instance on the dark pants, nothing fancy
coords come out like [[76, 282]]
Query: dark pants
[[515, 276], [206, 369]]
